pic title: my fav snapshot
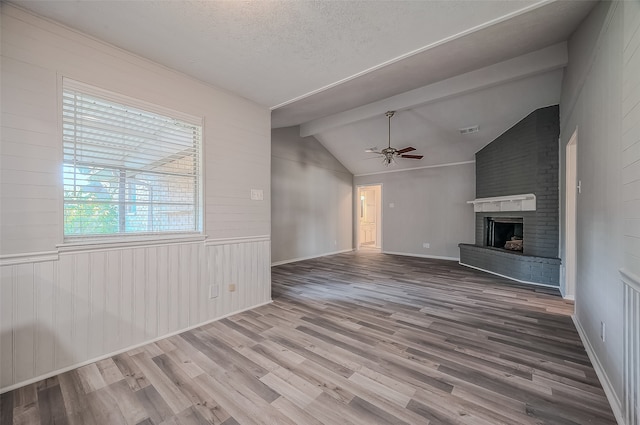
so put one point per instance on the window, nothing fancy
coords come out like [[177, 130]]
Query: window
[[128, 170]]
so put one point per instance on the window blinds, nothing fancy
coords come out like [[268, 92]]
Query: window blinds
[[127, 169]]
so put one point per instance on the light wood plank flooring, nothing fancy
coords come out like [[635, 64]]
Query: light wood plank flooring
[[357, 338]]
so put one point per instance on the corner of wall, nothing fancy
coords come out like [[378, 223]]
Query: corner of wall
[[312, 199]]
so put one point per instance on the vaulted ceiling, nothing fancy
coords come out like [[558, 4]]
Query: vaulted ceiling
[[334, 67]]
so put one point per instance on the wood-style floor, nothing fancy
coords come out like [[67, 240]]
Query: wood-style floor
[[357, 338]]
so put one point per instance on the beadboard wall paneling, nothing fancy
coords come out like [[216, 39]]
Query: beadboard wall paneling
[[631, 394], [223, 270], [55, 314]]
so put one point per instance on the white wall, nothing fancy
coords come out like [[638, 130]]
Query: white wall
[[311, 199], [64, 308], [608, 229], [429, 206]]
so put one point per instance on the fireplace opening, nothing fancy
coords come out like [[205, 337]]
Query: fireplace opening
[[505, 232]]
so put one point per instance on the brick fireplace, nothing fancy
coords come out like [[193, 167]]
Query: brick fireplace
[[517, 196]]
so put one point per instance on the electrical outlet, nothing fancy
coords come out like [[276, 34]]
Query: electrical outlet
[[214, 291], [602, 331], [335, 242], [232, 287], [257, 195], [426, 245]]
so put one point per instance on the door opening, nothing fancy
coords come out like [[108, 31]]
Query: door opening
[[570, 216], [369, 217]]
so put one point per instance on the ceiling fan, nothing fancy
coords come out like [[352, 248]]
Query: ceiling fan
[[389, 154]]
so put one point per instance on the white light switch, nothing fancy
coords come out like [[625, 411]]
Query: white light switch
[[392, 205], [214, 291], [257, 195]]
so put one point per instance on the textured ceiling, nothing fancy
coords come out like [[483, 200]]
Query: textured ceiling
[[537, 28], [313, 61], [273, 51]]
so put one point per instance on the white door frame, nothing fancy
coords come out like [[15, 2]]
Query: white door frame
[[356, 218], [571, 212]]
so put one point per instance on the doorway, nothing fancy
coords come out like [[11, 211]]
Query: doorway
[[571, 216], [369, 217]]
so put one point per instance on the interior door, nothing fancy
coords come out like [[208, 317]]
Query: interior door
[[368, 217]]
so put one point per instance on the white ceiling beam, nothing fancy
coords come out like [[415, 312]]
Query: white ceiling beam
[[538, 62]]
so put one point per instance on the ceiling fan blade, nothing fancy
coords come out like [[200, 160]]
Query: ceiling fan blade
[[407, 149], [412, 156]]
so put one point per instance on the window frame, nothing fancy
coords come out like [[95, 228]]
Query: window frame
[[72, 242]]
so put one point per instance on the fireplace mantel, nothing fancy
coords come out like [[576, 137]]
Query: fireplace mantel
[[525, 202]]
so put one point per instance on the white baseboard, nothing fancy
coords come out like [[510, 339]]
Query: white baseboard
[[293, 260], [409, 254], [614, 401], [124, 350], [509, 277]]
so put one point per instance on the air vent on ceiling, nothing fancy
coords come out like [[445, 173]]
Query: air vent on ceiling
[[469, 130]]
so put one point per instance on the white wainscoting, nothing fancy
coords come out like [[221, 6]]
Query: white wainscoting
[[631, 331], [86, 305]]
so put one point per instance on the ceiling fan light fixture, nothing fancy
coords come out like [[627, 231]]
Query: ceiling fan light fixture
[[390, 154], [388, 158]]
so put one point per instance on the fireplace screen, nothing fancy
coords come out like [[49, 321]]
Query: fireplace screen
[[505, 233]]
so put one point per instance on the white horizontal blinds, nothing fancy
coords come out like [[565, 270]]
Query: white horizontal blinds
[[127, 170]]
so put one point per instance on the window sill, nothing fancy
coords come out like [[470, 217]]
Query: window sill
[[86, 244]]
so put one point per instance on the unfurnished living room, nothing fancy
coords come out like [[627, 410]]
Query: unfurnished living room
[[320, 212]]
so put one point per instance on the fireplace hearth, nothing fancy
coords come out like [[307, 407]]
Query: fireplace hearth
[[505, 233]]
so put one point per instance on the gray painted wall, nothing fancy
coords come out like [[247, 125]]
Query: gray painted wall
[[311, 198], [631, 139], [592, 103], [430, 205]]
